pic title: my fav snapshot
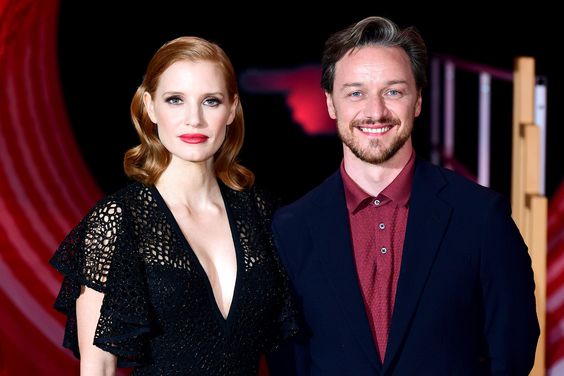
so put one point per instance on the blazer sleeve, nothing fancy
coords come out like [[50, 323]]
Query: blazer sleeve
[[508, 291]]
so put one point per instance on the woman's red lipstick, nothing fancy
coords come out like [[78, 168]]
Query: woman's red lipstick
[[193, 138]]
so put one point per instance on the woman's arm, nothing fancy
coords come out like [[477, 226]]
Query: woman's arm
[[93, 360]]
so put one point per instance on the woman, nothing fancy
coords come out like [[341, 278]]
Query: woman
[[176, 274]]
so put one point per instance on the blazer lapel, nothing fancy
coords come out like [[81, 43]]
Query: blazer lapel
[[331, 229], [427, 222]]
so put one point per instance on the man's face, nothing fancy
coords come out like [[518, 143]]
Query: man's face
[[374, 101]]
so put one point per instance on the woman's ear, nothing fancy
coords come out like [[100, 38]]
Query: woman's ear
[[233, 109], [150, 106]]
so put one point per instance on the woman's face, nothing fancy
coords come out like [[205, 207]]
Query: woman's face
[[191, 108]]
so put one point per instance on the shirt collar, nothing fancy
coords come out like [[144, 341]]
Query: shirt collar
[[398, 191]]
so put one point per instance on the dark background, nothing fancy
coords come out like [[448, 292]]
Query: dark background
[[104, 51]]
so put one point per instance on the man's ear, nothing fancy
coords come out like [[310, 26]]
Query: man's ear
[[418, 105], [330, 106]]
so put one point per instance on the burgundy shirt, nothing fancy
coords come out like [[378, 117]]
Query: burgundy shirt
[[378, 231]]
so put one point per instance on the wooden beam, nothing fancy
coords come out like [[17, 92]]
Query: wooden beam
[[523, 113], [537, 248]]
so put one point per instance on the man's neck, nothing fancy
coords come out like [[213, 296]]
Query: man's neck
[[373, 178]]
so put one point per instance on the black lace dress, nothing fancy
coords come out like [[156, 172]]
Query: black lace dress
[[159, 314]]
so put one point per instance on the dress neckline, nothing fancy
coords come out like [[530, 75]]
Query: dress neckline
[[225, 322]]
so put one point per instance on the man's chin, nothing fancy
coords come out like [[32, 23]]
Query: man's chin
[[373, 157]]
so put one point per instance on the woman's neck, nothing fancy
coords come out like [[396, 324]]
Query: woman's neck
[[193, 185]]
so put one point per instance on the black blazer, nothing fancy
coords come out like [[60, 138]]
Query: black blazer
[[465, 300]]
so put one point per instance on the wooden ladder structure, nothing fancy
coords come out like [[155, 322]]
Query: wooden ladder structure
[[528, 204]]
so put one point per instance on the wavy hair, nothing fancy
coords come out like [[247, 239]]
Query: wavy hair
[[147, 161], [374, 31]]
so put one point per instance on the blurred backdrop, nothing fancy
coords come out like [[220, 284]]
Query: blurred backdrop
[[103, 54], [68, 70]]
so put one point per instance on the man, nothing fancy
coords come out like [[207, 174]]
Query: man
[[401, 267]]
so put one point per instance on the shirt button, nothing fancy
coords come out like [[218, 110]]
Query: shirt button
[[383, 250], [382, 226], [376, 202]]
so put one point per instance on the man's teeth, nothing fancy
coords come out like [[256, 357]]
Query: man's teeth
[[375, 130]]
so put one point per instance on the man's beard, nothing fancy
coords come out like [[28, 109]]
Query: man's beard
[[376, 152]]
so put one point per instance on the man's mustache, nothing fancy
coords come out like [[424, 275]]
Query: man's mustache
[[369, 121]]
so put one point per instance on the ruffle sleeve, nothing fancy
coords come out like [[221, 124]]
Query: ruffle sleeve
[[288, 321], [100, 253]]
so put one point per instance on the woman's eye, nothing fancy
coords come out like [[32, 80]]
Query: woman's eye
[[212, 102], [174, 100]]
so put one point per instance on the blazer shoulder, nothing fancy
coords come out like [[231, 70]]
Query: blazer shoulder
[[311, 201], [460, 190]]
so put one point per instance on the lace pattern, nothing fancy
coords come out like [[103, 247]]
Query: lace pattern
[[158, 313]]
